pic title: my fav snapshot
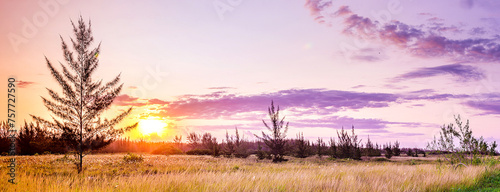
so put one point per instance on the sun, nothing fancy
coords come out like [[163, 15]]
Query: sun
[[149, 126]]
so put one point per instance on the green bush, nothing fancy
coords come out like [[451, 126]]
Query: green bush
[[133, 158]]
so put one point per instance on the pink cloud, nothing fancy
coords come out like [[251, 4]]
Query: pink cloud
[[24, 84]]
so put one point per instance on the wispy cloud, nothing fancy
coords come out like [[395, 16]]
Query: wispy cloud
[[489, 103], [460, 72], [127, 100], [221, 88], [24, 84]]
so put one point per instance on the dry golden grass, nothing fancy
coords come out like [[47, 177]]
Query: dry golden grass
[[199, 173]]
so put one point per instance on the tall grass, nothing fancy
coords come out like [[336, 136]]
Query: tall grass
[[199, 173]]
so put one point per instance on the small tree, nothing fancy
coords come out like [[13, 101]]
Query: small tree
[[348, 145], [210, 143], [80, 108], [493, 146], [409, 153], [333, 148], [396, 150], [193, 140], [275, 141], [178, 141], [320, 147], [302, 146], [241, 148], [469, 149], [370, 149], [4, 137], [229, 148], [388, 151]]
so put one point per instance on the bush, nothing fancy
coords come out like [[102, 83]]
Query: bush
[[133, 158]]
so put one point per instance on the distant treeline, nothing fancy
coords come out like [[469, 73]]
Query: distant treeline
[[32, 139]]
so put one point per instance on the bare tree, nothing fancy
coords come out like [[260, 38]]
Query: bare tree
[[275, 141], [83, 100]]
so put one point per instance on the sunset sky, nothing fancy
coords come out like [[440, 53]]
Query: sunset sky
[[395, 69]]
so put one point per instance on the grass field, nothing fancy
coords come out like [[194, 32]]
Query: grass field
[[204, 173]]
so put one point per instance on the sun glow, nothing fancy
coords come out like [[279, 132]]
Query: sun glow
[[149, 126]]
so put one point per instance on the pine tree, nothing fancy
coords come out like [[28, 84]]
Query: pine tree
[[320, 146], [396, 149], [333, 148], [276, 141], [302, 146], [84, 100], [388, 151]]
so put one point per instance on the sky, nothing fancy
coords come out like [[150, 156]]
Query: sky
[[393, 69]]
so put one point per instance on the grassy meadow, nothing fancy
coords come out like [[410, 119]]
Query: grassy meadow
[[205, 173]]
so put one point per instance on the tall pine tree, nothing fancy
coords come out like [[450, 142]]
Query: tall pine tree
[[84, 100]]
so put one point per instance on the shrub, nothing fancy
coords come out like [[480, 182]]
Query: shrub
[[133, 158], [260, 154]]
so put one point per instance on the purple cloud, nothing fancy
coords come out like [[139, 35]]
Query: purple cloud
[[346, 122], [489, 103], [316, 6], [422, 41], [462, 73], [358, 86], [314, 101], [214, 106], [477, 31]]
